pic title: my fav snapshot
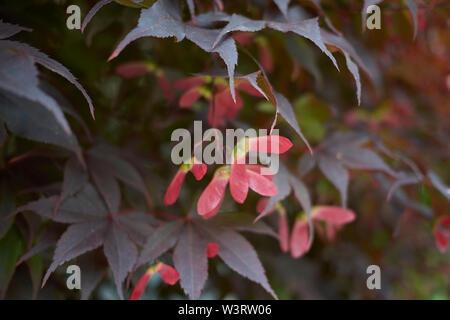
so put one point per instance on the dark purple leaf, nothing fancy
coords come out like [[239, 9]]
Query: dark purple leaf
[[106, 183], [350, 55], [226, 49], [160, 241], [121, 253], [301, 193], [308, 28], [336, 173], [241, 221], [33, 121], [239, 255], [284, 189], [93, 271], [8, 30], [284, 108], [191, 261], [138, 226], [412, 6], [161, 20], [403, 180], [363, 159], [78, 239], [93, 11], [121, 169], [75, 178], [55, 66], [84, 206], [46, 239], [19, 75], [305, 164]]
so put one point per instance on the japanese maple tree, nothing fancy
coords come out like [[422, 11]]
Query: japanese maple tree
[[359, 120]]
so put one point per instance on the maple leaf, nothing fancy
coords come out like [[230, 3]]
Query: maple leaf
[[19, 79], [33, 121], [160, 241], [345, 151], [107, 167], [92, 226], [19, 76], [191, 261], [193, 244], [285, 183], [8, 30], [301, 237], [92, 12], [237, 253], [308, 28], [212, 197], [283, 226], [168, 274], [441, 233], [221, 100], [197, 169], [134, 69]]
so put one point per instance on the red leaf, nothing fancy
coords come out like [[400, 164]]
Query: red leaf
[[333, 214], [265, 57], [244, 38], [140, 286], [260, 184], [262, 204], [270, 144], [132, 69], [238, 182], [441, 240], [300, 242], [224, 105], [199, 170], [214, 193], [174, 188], [212, 249], [166, 87], [259, 170], [188, 83], [168, 274], [445, 222], [283, 231], [188, 98]]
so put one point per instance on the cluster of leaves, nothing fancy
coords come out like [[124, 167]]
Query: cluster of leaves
[[108, 205]]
